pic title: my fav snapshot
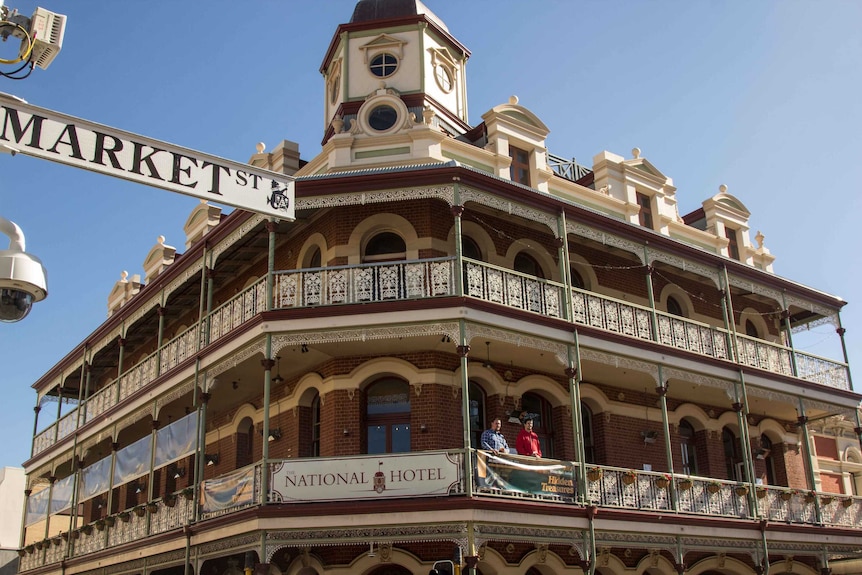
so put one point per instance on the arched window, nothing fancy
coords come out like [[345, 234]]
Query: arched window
[[577, 279], [751, 329], [732, 459], [527, 264], [587, 426], [315, 426], [244, 442], [540, 410], [687, 448], [765, 454], [387, 416], [673, 307], [470, 249], [385, 246], [314, 259], [477, 414]]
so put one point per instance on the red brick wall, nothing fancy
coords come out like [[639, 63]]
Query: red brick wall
[[826, 447], [831, 483]]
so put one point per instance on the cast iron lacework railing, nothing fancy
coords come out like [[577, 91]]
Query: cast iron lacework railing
[[514, 289], [610, 487], [422, 279], [365, 283]]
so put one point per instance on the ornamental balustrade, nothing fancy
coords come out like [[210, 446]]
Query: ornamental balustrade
[[422, 279], [514, 289], [365, 283]]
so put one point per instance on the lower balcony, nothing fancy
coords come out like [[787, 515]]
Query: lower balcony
[[435, 474]]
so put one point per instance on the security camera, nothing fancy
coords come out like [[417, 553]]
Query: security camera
[[23, 280]]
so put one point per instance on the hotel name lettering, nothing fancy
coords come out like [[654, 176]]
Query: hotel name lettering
[[291, 479]]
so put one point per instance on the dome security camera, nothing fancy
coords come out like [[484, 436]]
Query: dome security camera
[[23, 280]]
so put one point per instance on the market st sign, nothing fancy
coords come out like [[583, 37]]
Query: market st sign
[[49, 135]]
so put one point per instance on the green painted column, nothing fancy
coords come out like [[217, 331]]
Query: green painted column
[[463, 350], [268, 363], [661, 390], [812, 482]]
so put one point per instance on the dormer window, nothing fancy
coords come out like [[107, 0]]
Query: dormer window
[[519, 170], [645, 214], [383, 65], [732, 243]]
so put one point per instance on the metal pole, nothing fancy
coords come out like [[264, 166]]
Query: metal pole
[[270, 263], [729, 311], [803, 423], [841, 331], [740, 406], [161, 311], [268, 363], [457, 212], [573, 372], [785, 315], [651, 294], [565, 264], [661, 390], [463, 350]]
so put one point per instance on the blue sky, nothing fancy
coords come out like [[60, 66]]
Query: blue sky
[[760, 96]]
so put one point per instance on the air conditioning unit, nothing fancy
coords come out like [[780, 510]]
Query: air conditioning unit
[[46, 29]]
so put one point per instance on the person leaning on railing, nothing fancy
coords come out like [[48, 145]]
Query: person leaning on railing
[[528, 441], [494, 441]]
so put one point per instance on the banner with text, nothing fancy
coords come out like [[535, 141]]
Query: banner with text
[[389, 475], [525, 475]]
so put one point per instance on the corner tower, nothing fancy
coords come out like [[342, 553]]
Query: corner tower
[[402, 48]]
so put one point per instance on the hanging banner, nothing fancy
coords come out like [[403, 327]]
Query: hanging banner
[[228, 491], [395, 475], [49, 135], [37, 507], [528, 475], [133, 461], [95, 479], [61, 495], [176, 440]]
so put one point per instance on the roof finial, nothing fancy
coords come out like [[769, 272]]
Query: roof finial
[[260, 147], [636, 153], [722, 188], [513, 99]]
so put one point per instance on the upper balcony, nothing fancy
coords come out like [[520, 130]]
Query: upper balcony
[[427, 279]]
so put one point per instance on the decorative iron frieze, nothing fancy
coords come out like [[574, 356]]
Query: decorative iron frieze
[[556, 349], [445, 193]]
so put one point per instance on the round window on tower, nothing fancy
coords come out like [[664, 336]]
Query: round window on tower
[[382, 117], [444, 77], [383, 65]]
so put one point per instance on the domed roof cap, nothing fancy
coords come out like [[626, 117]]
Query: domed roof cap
[[370, 10]]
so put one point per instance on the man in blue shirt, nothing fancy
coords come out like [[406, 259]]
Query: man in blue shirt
[[493, 440]]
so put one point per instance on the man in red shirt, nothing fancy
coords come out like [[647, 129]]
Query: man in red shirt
[[528, 441]]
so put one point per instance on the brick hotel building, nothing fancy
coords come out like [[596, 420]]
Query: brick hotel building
[[307, 397]]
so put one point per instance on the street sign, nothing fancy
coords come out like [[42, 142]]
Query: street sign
[[49, 135]]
